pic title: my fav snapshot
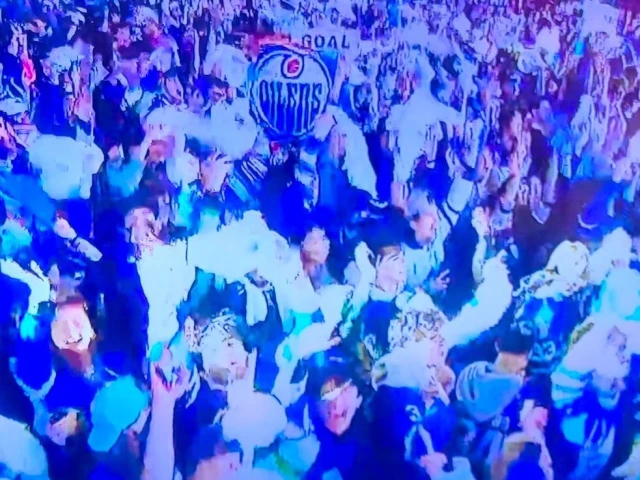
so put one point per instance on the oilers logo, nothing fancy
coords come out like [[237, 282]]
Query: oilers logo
[[292, 67], [289, 90]]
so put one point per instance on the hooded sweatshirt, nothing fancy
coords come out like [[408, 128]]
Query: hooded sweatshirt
[[488, 397]]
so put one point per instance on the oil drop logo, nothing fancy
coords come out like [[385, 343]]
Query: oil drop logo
[[289, 90]]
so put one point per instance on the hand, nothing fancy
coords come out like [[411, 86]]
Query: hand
[[496, 268], [64, 428], [88, 250], [343, 70], [278, 157], [363, 256], [167, 390], [535, 421], [480, 222], [399, 195], [535, 192], [433, 463], [629, 470], [315, 338], [83, 106], [514, 162], [216, 171], [62, 228], [440, 283], [523, 194]]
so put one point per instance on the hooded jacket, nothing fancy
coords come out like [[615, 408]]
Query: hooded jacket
[[489, 398]]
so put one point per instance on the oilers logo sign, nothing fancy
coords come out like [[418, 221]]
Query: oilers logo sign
[[289, 90]]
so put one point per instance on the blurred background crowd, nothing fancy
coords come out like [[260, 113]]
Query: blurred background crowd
[[341, 239]]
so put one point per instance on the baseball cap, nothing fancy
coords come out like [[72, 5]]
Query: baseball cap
[[114, 409]]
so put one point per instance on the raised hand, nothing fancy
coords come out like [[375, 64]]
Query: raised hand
[[168, 381], [440, 283], [63, 229], [315, 338], [363, 257], [480, 222]]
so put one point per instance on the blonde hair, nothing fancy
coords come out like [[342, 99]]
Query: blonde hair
[[512, 448]]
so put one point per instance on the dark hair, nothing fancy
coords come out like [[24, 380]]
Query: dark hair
[[215, 82], [116, 27], [103, 46], [208, 444], [200, 85], [516, 341], [85, 35], [317, 220], [332, 368]]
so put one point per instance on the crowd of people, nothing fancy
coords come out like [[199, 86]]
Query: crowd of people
[[343, 239]]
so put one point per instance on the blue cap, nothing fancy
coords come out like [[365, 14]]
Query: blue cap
[[115, 408]]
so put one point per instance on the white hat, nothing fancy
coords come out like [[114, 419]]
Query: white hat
[[248, 411], [404, 367], [233, 64], [20, 451], [569, 260]]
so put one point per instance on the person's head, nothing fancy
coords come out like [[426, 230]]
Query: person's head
[[129, 61], [112, 149], [511, 123], [22, 453], [197, 96], [391, 267], [630, 105], [212, 457], [337, 399], [174, 10], [172, 87], [224, 356], [145, 65], [142, 227], [71, 328], [315, 245], [218, 90], [122, 34], [617, 90], [150, 22], [119, 408], [569, 264], [423, 217], [65, 277], [67, 427], [514, 347], [631, 76]]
